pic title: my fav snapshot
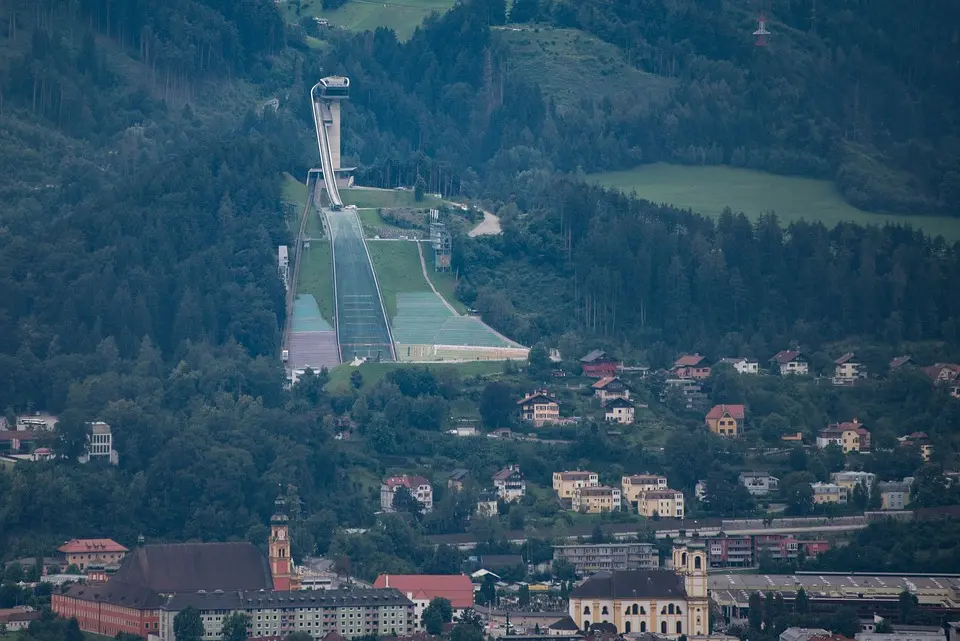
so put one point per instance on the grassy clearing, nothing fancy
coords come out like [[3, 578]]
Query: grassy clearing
[[374, 198], [316, 277], [294, 191], [570, 65], [366, 15], [398, 270], [314, 227], [371, 216], [373, 372], [709, 189]]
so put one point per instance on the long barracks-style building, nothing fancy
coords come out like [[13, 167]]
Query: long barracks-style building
[[155, 582]]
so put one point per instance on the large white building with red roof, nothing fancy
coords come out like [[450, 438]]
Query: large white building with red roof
[[418, 487], [423, 588], [96, 552]]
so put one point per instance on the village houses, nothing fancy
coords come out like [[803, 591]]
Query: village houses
[[691, 366], [665, 503], [596, 500], [789, 362], [565, 484], [510, 484], [726, 420], [419, 488], [895, 495], [539, 408], [828, 493], [609, 388], [619, 410], [636, 484], [742, 365], [848, 369], [597, 364], [84, 553], [850, 436], [919, 440], [759, 483]]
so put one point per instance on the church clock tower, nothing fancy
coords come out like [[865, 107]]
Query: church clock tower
[[280, 562]]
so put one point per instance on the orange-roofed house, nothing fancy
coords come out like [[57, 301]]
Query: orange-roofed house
[[726, 420], [85, 552], [691, 366], [423, 588], [609, 388]]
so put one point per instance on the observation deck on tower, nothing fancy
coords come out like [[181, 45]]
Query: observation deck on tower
[[327, 95]]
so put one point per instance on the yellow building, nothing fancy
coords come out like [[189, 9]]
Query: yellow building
[[539, 408], [634, 484], [726, 420], [565, 484], [596, 500], [850, 436], [667, 602], [665, 503], [828, 493]]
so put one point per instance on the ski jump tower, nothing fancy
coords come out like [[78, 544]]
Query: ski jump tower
[[326, 96]]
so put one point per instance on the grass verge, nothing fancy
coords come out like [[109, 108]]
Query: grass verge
[[316, 277], [373, 372], [374, 198]]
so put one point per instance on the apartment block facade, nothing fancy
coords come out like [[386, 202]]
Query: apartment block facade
[[590, 558], [596, 500], [350, 613]]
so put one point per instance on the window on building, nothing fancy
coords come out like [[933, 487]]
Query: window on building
[[643, 626], [635, 608], [670, 609], [696, 562], [663, 627], [626, 627], [604, 610]]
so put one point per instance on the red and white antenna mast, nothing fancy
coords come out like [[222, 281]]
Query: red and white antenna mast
[[761, 33]]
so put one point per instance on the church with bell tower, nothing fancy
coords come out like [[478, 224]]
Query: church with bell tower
[[281, 563], [668, 602]]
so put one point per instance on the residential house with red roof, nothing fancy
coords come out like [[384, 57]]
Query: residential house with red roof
[[726, 420], [423, 588], [598, 364], [418, 487], [691, 366], [609, 388], [789, 362], [947, 375], [96, 552], [900, 361], [851, 436], [919, 440]]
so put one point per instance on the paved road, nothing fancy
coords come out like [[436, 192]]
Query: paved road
[[489, 227]]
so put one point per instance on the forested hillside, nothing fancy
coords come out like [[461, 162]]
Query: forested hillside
[[609, 266], [140, 193], [862, 92], [837, 97]]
